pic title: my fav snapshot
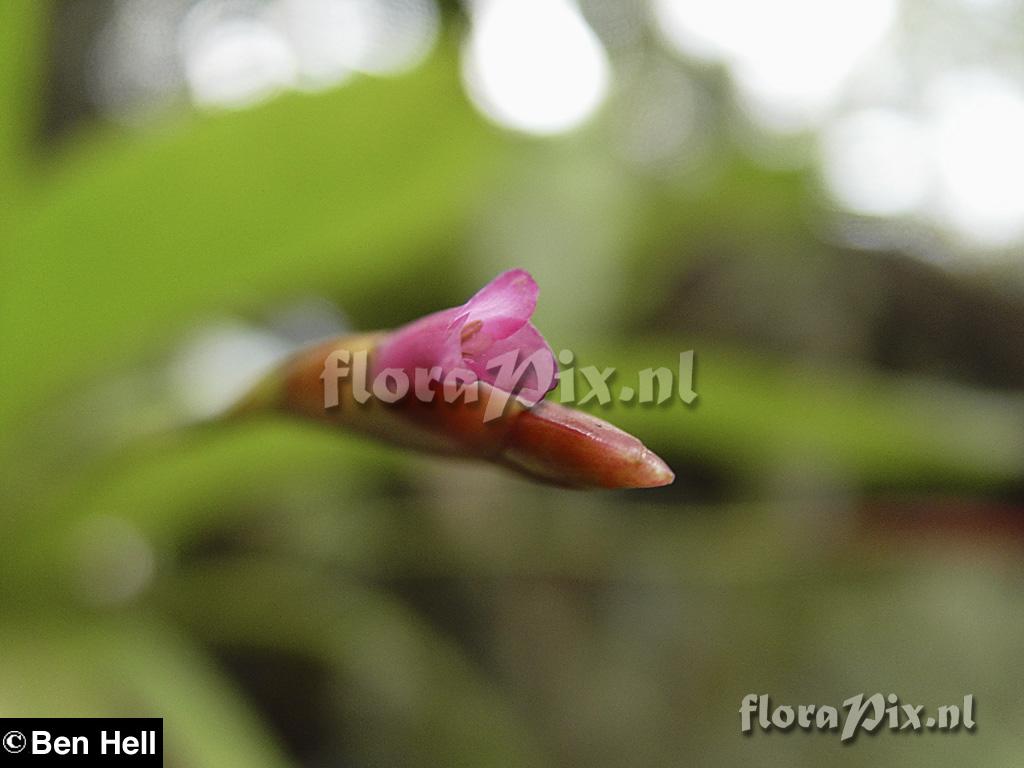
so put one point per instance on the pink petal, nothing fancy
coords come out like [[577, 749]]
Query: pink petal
[[505, 304], [493, 323], [424, 343], [538, 376]]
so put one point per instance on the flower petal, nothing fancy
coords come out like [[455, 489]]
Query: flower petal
[[505, 304], [535, 364], [430, 341], [497, 311]]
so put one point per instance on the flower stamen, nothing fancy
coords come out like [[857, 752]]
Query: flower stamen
[[469, 330]]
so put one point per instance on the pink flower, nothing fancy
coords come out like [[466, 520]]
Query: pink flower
[[490, 336], [548, 442]]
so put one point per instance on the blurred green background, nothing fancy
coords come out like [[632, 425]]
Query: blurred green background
[[825, 200]]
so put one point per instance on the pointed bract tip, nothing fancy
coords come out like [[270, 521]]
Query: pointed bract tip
[[653, 472], [569, 447]]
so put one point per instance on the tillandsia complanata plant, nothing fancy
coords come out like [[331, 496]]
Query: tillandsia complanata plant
[[469, 382]]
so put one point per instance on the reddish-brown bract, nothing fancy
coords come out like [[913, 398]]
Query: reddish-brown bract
[[548, 442]]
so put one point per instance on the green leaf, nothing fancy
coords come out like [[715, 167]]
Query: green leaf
[[207, 723], [77, 665], [410, 683], [175, 486], [340, 192], [757, 416]]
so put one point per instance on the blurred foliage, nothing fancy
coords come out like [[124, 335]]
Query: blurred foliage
[[451, 615], [337, 188], [21, 57]]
